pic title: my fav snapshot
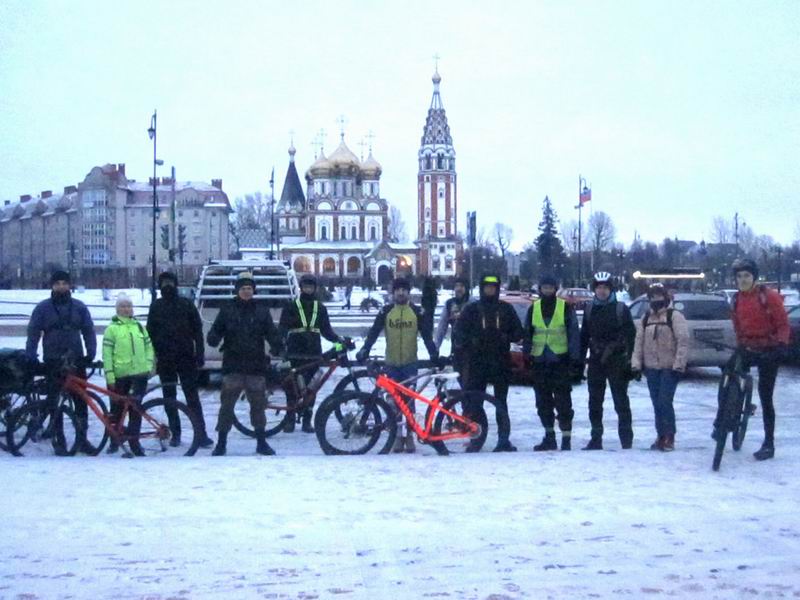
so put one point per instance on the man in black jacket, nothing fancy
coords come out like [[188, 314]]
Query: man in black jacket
[[176, 331], [303, 323], [483, 335], [243, 325], [552, 348], [608, 334]]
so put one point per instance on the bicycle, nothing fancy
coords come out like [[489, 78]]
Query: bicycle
[[735, 400], [367, 416], [163, 422], [12, 400], [291, 383]]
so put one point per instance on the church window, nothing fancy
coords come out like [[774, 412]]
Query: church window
[[323, 232], [440, 161], [441, 192], [328, 265], [428, 162], [343, 233], [373, 233], [353, 265], [353, 233]]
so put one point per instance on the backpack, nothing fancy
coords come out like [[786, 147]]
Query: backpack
[[646, 318], [619, 312], [14, 372], [762, 300]]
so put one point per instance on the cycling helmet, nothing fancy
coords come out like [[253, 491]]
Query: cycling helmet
[[548, 279], [490, 280], [603, 277], [401, 282], [745, 264], [658, 288]]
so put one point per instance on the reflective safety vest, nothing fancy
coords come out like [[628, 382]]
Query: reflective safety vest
[[307, 326], [552, 335]]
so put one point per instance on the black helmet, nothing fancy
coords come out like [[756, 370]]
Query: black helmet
[[658, 288], [401, 282], [745, 264], [167, 275], [308, 279], [59, 276], [603, 277]]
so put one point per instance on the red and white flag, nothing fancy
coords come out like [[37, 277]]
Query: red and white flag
[[585, 196]]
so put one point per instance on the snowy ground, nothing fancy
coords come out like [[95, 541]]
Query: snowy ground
[[634, 524]]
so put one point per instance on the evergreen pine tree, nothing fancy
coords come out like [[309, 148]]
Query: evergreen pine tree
[[548, 245]]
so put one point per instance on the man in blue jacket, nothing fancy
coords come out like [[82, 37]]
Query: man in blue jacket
[[65, 327]]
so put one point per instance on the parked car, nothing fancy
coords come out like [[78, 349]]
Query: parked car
[[790, 298], [521, 301], [727, 294], [577, 297], [708, 317], [793, 313]]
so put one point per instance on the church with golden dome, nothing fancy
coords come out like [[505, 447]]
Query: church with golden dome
[[338, 228]]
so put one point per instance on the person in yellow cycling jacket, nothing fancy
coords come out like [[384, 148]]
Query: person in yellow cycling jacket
[[127, 362], [402, 321]]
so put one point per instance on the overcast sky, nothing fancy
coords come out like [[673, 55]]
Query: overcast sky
[[674, 111]]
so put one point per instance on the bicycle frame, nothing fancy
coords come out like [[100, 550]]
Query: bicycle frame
[[79, 387], [397, 391], [306, 396]]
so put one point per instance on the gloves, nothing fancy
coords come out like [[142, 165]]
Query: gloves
[[634, 375], [439, 362], [362, 355], [200, 361], [84, 362]]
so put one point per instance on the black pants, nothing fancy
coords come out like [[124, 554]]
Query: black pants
[[189, 376], [617, 379], [135, 386], [54, 380], [767, 366], [476, 380], [551, 384], [307, 375]]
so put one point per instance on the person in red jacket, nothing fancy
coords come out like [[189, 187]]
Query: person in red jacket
[[762, 329]]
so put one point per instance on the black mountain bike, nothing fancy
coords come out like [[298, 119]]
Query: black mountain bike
[[735, 400]]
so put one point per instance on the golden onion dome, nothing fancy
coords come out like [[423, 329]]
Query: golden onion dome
[[343, 157], [371, 168], [321, 167]]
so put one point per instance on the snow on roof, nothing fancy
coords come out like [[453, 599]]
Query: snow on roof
[[144, 186], [330, 245]]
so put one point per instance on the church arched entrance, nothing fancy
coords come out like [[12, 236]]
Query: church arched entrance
[[385, 275]]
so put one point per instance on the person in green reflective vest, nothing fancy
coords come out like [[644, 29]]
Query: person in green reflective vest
[[303, 323], [402, 322], [552, 345]]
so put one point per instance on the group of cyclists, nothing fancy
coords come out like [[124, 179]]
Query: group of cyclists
[[607, 349]]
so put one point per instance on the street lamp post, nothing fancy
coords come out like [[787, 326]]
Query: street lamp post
[[779, 252], [151, 131]]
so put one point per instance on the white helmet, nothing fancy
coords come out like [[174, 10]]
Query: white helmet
[[603, 277]]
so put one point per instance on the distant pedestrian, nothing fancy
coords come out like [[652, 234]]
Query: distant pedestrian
[[348, 292]]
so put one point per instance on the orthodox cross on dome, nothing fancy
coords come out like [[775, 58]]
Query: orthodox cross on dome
[[322, 135], [317, 145], [361, 144], [370, 137], [342, 122], [436, 58]]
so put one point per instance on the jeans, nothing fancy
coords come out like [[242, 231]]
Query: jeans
[[255, 388], [168, 374], [662, 384], [477, 381], [400, 373]]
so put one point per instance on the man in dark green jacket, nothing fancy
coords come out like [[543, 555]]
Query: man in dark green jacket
[[243, 325], [402, 321]]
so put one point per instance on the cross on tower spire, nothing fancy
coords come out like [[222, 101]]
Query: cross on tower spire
[[370, 137], [342, 122]]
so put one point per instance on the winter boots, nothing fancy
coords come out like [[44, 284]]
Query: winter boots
[[766, 451], [566, 440], [595, 443], [410, 446], [288, 425], [504, 446], [626, 439], [668, 445], [222, 445], [262, 447], [658, 444], [307, 426], [548, 442]]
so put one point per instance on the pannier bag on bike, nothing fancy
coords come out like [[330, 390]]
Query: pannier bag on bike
[[14, 371]]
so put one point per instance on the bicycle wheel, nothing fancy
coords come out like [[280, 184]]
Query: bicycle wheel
[[747, 412], [48, 429], [731, 410], [277, 414], [365, 419], [94, 429], [168, 428], [9, 403], [357, 381], [444, 424]]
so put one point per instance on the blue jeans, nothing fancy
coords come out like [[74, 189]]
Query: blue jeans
[[662, 384]]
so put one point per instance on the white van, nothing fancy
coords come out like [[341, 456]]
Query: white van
[[276, 284]]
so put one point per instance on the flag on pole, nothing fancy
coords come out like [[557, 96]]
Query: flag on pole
[[585, 195]]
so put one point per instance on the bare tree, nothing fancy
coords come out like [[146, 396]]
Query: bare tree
[[397, 227], [601, 232], [502, 235], [569, 235], [721, 230], [251, 212]]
